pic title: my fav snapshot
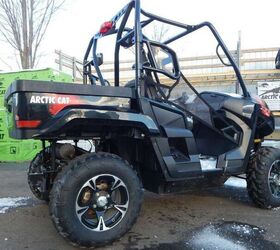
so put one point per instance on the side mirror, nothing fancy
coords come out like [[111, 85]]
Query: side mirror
[[99, 59]]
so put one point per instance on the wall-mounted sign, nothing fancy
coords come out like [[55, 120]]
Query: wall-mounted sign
[[270, 93]]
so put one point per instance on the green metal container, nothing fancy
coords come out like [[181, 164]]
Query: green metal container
[[4, 135], [12, 150], [48, 74]]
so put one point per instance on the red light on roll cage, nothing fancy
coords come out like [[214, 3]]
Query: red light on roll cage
[[105, 27], [28, 124]]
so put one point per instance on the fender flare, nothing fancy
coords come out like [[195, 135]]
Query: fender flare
[[69, 115]]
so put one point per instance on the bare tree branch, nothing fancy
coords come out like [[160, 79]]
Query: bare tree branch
[[23, 25], [159, 32]]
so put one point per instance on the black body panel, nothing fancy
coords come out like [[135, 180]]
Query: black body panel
[[53, 105], [90, 121], [67, 88]]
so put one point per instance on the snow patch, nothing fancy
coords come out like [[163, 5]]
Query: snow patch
[[271, 143], [8, 203], [245, 229], [276, 209], [208, 163], [209, 237], [236, 182]]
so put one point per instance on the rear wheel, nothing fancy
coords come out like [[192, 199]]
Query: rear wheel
[[36, 175], [263, 178], [95, 199]]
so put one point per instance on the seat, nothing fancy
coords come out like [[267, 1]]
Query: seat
[[149, 87]]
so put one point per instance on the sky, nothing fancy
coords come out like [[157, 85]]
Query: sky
[[74, 25]]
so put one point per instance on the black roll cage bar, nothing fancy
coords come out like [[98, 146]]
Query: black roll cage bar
[[135, 37]]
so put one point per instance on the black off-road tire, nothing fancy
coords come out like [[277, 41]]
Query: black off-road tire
[[66, 189], [258, 173]]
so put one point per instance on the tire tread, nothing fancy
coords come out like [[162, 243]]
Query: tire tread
[[257, 174], [59, 186]]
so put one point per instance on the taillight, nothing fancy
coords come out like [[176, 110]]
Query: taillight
[[28, 123], [265, 111], [264, 108], [105, 27]]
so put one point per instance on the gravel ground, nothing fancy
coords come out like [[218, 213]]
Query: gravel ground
[[222, 218]]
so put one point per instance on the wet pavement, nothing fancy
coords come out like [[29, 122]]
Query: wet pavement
[[221, 218]]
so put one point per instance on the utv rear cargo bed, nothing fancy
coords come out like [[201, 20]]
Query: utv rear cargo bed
[[36, 103]]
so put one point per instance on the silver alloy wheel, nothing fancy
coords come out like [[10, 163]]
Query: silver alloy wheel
[[274, 179], [102, 202]]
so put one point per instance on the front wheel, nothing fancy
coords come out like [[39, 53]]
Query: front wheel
[[263, 178], [95, 199]]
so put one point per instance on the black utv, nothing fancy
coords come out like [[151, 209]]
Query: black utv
[[155, 132]]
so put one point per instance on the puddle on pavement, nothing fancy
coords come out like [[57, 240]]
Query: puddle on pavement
[[9, 203], [225, 235]]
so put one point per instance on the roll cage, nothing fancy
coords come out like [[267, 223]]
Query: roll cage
[[128, 37]]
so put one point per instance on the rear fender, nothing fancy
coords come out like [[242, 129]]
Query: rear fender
[[109, 118]]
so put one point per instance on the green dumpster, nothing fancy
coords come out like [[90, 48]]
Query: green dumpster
[[12, 150]]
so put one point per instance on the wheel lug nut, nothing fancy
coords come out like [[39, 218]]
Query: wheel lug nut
[[94, 206], [108, 196], [97, 194], [105, 207]]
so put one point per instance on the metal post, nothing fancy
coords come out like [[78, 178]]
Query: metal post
[[138, 40], [60, 60], [238, 59], [74, 68]]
